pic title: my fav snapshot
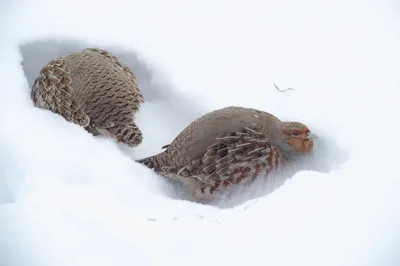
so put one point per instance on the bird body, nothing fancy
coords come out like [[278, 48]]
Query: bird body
[[226, 148], [93, 89]]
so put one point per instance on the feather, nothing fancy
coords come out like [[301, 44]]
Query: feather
[[92, 89], [221, 150]]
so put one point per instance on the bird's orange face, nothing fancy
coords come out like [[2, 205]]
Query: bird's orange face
[[299, 138]]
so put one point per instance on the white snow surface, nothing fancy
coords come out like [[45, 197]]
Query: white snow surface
[[68, 198]]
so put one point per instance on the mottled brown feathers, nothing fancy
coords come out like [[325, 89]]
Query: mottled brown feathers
[[201, 133], [223, 149], [93, 89]]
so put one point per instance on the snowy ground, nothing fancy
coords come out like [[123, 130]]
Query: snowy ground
[[68, 198]]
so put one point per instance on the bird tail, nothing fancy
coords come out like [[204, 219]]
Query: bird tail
[[148, 161], [128, 133]]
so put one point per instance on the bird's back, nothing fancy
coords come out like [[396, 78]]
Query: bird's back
[[194, 140], [93, 89], [107, 88]]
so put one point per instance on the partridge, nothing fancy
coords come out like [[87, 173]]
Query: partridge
[[230, 147], [91, 88]]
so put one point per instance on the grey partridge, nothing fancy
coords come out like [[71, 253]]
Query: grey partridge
[[230, 147], [91, 88]]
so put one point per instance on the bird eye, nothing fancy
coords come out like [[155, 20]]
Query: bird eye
[[295, 134]]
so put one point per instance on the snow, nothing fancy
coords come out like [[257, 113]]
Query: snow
[[68, 198]]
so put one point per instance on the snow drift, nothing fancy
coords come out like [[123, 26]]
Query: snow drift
[[68, 198]]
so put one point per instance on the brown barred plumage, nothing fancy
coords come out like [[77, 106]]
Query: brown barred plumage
[[230, 147], [93, 89]]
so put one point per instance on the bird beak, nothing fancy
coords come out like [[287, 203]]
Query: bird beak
[[311, 136]]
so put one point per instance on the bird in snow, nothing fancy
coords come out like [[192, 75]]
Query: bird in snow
[[93, 89], [230, 147]]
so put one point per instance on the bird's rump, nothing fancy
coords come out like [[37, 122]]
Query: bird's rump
[[108, 89]]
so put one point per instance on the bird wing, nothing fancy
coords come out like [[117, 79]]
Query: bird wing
[[52, 90], [193, 142], [233, 159]]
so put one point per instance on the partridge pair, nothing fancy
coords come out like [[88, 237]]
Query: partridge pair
[[93, 89], [230, 147], [220, 150]]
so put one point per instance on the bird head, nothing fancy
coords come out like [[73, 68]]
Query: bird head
[[296, 138]]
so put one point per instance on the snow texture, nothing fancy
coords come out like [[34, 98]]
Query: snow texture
[[70, 199]]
